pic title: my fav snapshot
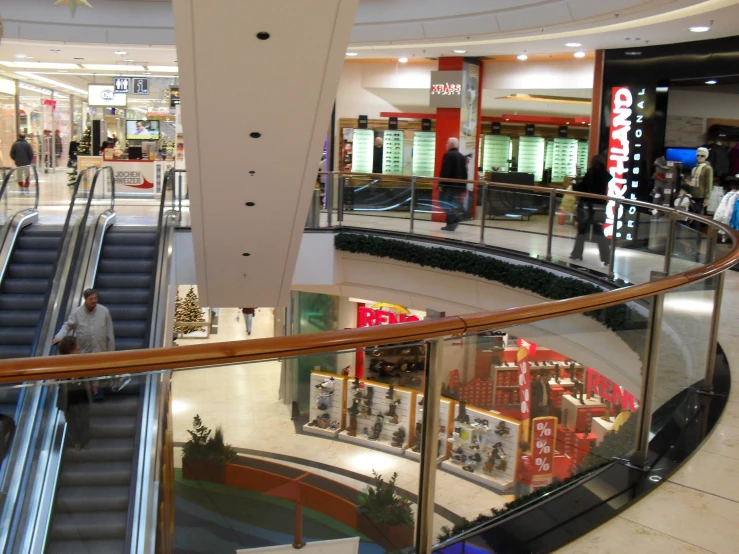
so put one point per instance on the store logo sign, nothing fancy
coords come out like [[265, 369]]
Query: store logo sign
[[624, 157], [132, 179], [446, 89], [107, 94], [369, 317], [595, 383]]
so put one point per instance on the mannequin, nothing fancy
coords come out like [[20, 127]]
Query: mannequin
[[701, 179]]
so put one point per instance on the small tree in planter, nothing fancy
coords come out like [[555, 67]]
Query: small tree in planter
[[385, 516], [204, 458]]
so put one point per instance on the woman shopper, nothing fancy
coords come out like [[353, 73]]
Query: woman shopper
[[591, 213], [74, 400]]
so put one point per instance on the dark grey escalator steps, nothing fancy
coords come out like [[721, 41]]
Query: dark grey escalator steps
[[31, 242], [18, 336], [129, 329], [22, 302], [114, 266], [8, 409], [86, 525], [25, 286], [9, 395], [117, 404], [118, 427], [127, 313], [29, 271], [116, 281], [130, 238], [42, 231], [101, 450], [102, 546], [92, 499], [18, 318], [128, 252], [93, 474], [7, 352], [131, 344], [33, 257], [123, 296]]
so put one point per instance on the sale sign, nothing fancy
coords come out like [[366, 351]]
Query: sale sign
[[525, 349], [543, 440]]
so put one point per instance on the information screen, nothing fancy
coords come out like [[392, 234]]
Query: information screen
[[142, 130]]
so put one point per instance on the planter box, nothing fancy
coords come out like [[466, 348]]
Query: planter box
[[389, 537], [204, 470]]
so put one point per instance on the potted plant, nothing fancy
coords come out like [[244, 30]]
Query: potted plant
[[204, 458], [385, 516]]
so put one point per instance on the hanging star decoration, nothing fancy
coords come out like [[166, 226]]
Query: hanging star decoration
[[73, 4]]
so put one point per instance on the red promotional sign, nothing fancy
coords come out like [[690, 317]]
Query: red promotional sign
[[543, 439], [525, 349], [369, 317]]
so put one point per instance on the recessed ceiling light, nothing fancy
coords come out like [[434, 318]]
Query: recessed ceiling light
[[459, 51], [573, 45], [147, 72], [403, 60], [700, 29], [129, 60], [633, 53], [632, 38], [352, 54], [523, 57], [112, 67], [63, 71], [711, 82], [163, 68], [120, 53], [36, 65], [579, 54], [79, 58]]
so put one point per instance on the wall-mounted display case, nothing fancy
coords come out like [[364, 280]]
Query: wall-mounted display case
[[424, 153], [531, 156]]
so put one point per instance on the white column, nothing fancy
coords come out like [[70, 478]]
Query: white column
[[233, 84]]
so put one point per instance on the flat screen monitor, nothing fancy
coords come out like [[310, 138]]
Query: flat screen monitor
[[684, 155], [139, 129]]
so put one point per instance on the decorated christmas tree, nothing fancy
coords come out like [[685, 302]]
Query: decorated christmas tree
[[83, 149], [187, 310]]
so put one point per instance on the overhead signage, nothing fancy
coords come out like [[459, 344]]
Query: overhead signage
[[174, 96], [140, 85], [362, 122], [393, 124], [104, 96], [122, 85], [530, 130], [563, 129], [446, 89], [625, 152], [496, 128], [425, 125]]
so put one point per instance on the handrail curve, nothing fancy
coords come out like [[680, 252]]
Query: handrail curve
[[232, 352]]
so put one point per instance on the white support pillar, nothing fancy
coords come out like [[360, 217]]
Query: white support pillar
[[271, 68]]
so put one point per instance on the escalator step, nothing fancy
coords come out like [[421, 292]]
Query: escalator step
[[128, 252], [42, 231], [113, 266], [129, 329], [18, 318], [9, 395], [124, 296], [117, 427], [26, 242], [22, 302], [127, 313], [89, 525], [17, 336], [24, 286], [91, 499], [131, 238], [33, 257], [32, 271], [109, 546], [94, 474], [131, 344], [7, 351], [115, 281], [101, 450], [116, 406]]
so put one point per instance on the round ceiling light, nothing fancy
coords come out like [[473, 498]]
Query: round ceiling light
[[633, 53], [700, 29], [120, 53], [573, 45], [403, 60], [579, 54], [352, 54], [522, 57], [711, 82], [459, 51]]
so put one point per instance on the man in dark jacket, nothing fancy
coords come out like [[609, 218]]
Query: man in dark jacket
[[591, 213], [453, 166], [22, 154], [541, 395], [377, 156]]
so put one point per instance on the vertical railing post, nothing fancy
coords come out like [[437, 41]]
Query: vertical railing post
[[649, 376], [340, 200], [718, 296], [552, 214], [711, 246], [670, 242], [330, 199], [429, 447], [413, 201], [612, 257], [484, 210]]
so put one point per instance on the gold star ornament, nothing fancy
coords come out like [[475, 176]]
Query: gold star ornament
[[73, 4]]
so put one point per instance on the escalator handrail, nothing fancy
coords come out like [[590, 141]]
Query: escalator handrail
[[8, 176]]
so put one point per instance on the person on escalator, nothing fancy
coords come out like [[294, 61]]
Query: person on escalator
[[74, 400]]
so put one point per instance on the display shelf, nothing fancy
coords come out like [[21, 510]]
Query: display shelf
[[601, 428], [505, 391], [398, 365], [492, 438], [424, 153], [497, 150], [445, 414], [583, 151], [363, 145], [531, 156], [327, 404], [392, 153], [371, 400], [576, 415], [564, 159]]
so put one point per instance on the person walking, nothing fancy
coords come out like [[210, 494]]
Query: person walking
[[74, 400], [525, 471], [377, 156], [541, 395], [74, 144], [591, 212], [453, 166], [248, 318], [22, 155]]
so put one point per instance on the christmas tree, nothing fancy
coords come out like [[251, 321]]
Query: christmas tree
[[83, 149], [187, 310]]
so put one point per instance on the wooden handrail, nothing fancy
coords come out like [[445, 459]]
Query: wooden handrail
[[222, 353]]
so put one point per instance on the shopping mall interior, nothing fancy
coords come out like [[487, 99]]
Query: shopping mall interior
[[489, 247]]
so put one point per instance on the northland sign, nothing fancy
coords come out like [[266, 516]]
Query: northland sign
[[625, 152]]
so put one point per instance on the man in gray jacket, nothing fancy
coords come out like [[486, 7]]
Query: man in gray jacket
[[91, 324], [22, 154]]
